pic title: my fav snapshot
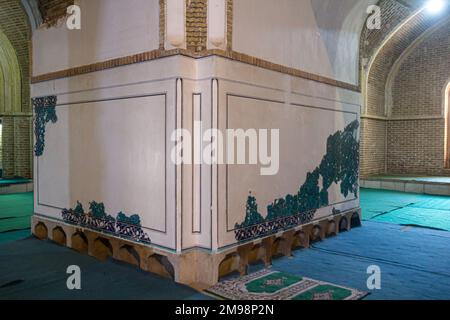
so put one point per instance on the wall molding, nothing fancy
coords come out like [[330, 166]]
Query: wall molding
[[159, 54], [406, 118], [37, 188]]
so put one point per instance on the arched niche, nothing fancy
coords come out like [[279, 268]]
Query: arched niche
[[10, 77]]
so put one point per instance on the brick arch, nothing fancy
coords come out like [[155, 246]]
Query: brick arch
[[80, 242], [343, 224], [129, 254], [316, 234], [15, 33], [160, 265], [15, 16], [229, 265], [425, 58], [59, 236], [403, 23], [382, 62], [446, 99], [301, 240], [10, 77], [15, 26], [446, 108], [416, 133], [393, 13], [41, 231], [373, 131], [331, 228], [102, 249]]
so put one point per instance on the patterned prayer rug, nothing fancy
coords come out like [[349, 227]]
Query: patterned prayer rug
[[274, 285]]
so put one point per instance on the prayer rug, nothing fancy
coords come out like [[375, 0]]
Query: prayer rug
[[274, 285]]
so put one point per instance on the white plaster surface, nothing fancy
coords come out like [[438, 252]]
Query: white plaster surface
[[109, 29], [318, 36]]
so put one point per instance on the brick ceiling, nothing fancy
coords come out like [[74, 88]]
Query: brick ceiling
[[400, 29], [14, 24], [394, 14], [411, 3]]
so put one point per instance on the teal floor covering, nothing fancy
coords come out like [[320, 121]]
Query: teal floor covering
[[414, 262], [15, 214], [407, 209], [379, 205]]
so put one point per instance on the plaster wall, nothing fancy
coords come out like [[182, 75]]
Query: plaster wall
[[112, 144], [317, 36], [109, 29]]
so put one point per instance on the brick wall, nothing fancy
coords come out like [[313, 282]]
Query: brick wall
[[16, 135], [392, 14], [385, 60], [374, 151], [22, 147], [14, 24], [17, 146], [423, 74], [196, 24], [373, 146], [7, 146], [373, 131], [417, 145]]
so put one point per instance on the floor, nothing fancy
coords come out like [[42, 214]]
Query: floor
[[15, 212], [406, 209], [414, 261]]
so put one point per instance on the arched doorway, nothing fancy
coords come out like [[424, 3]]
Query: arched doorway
[[15, 105], [10, 94], [446, 100]]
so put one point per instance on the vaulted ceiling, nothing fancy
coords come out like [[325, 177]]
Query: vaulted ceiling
[[411, 3], [15, 26], [14, 23], [402, 24], [380, 49]]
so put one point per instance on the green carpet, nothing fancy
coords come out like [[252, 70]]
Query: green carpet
[[275, 285], [411, 216], [402, 208], [15, 211], [375, 202]]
